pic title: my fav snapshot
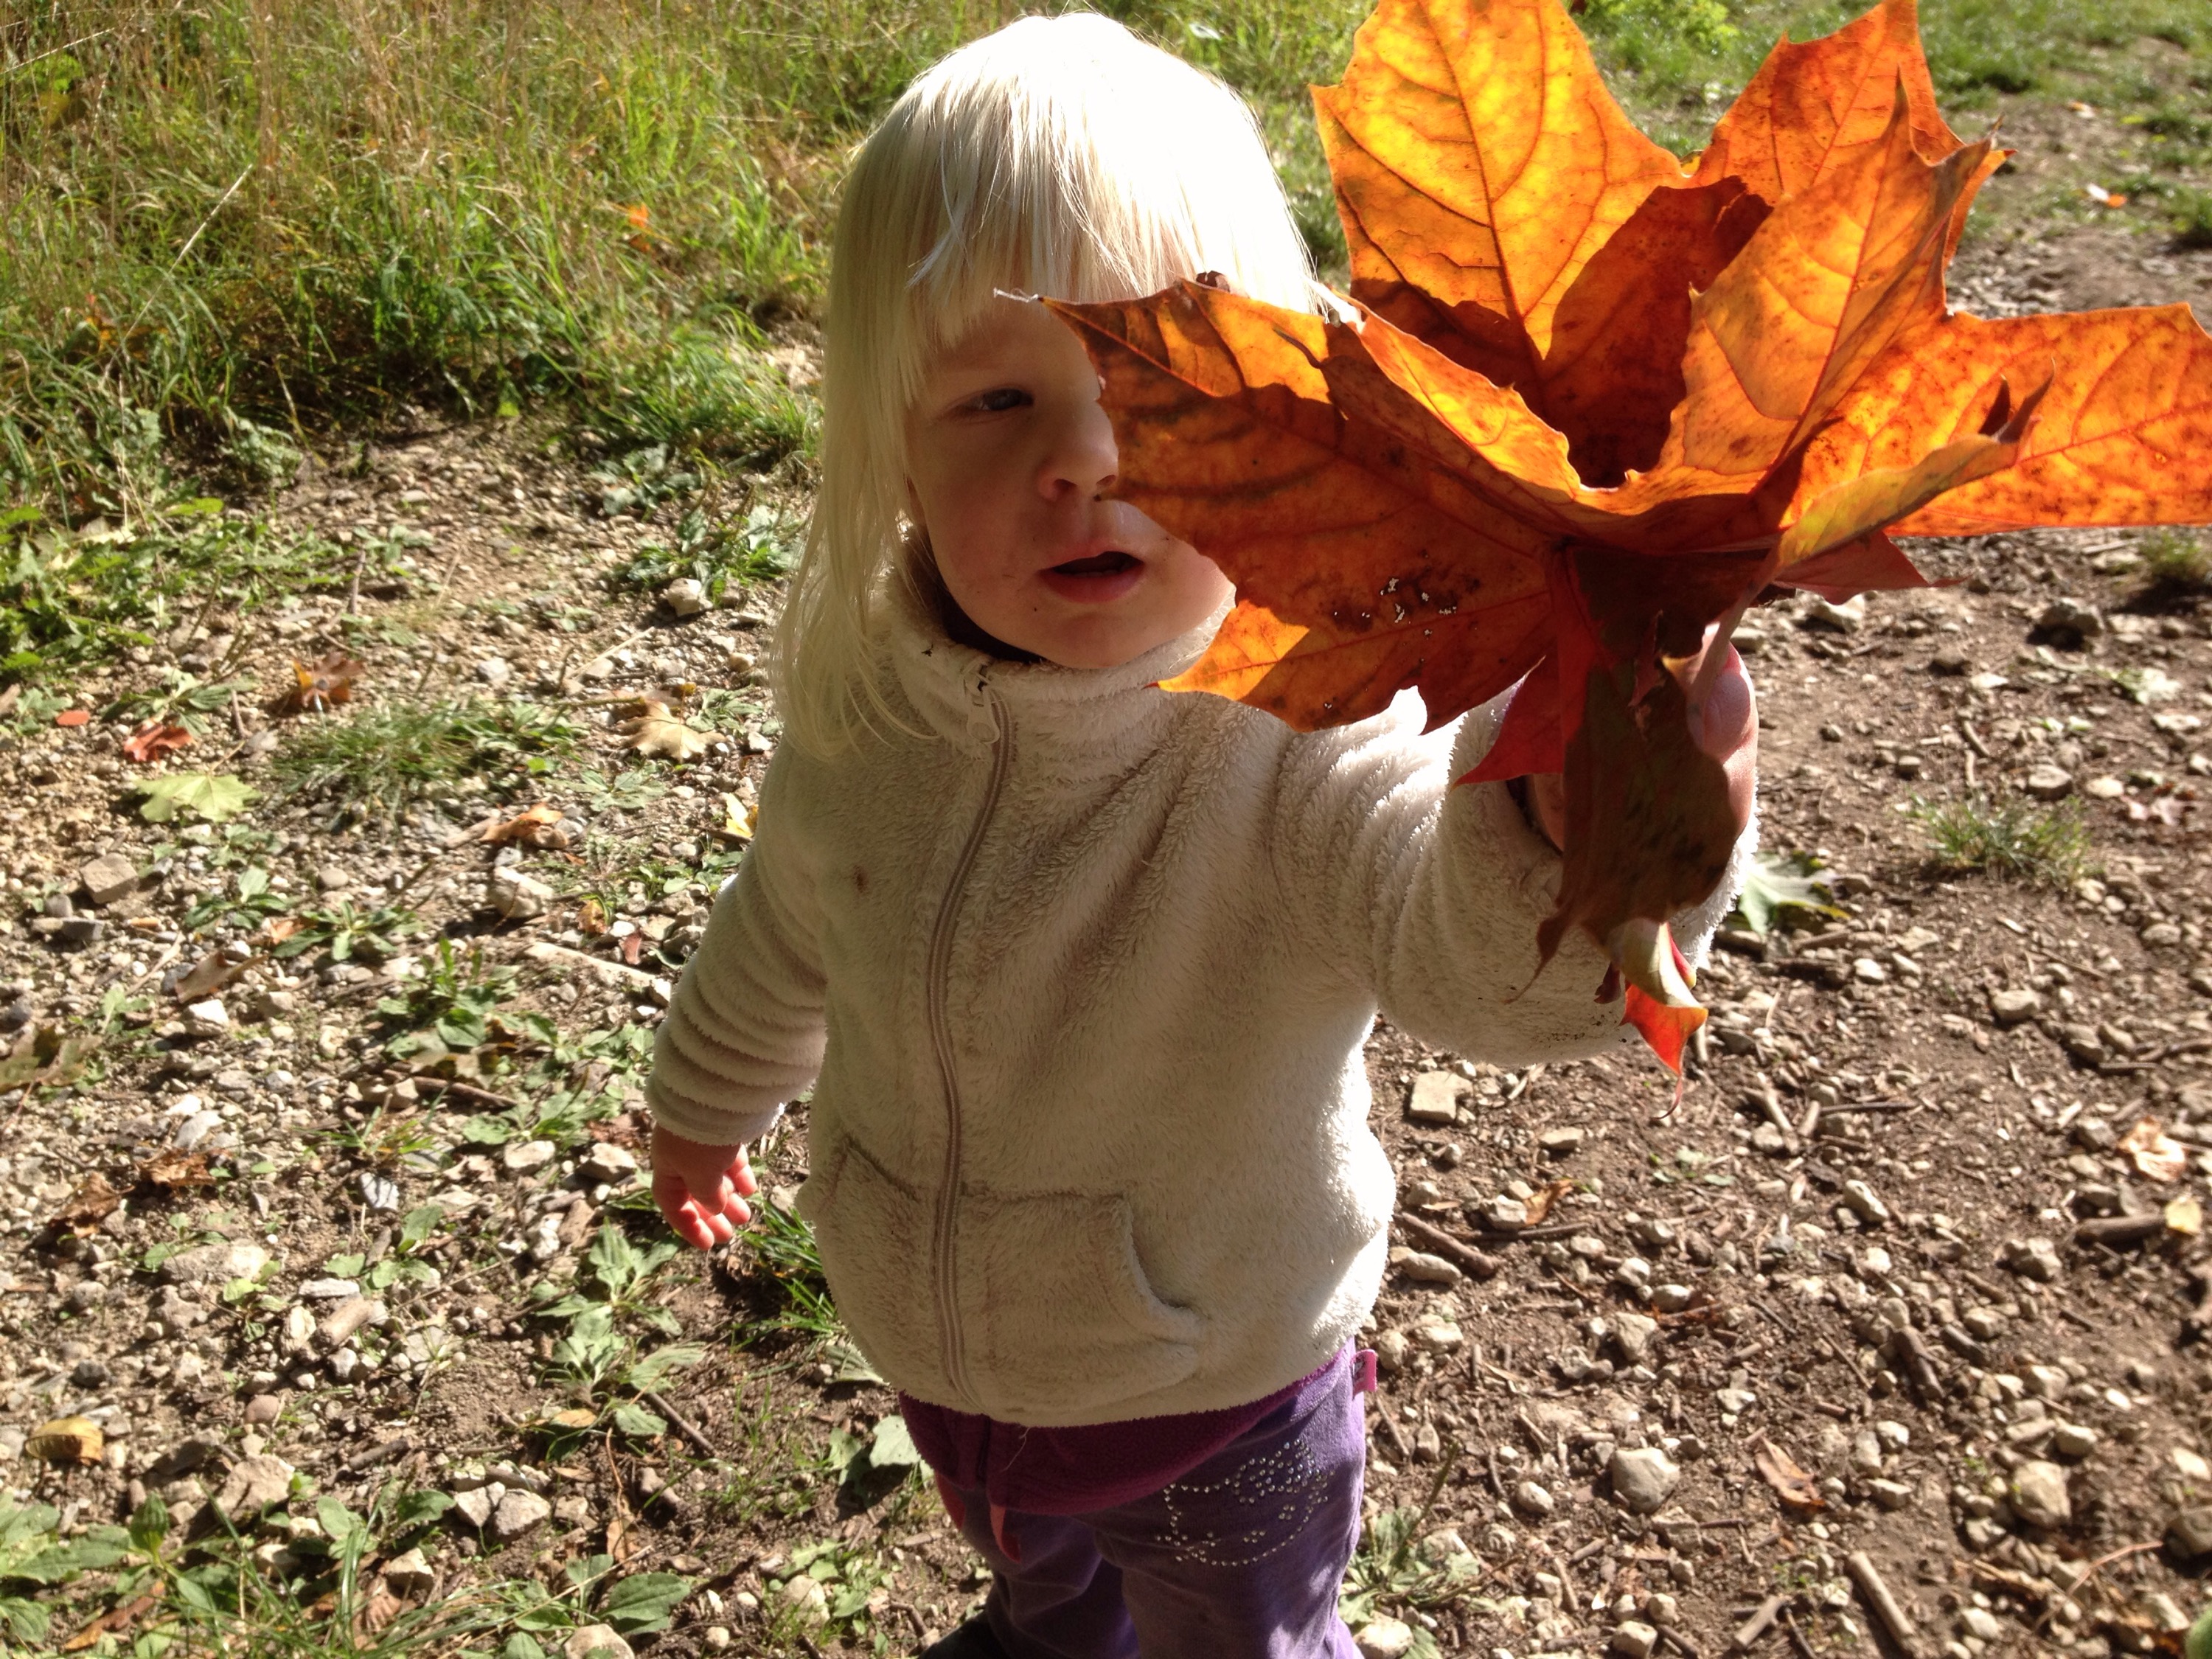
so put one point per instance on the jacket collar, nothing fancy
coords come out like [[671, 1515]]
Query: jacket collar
[[952, 685]]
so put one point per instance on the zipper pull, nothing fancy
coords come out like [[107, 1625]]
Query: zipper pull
[[983, 723]]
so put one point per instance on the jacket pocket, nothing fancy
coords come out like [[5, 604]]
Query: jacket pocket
[[873, 1232], [1061, 1317]]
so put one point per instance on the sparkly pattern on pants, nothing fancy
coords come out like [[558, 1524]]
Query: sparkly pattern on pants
[[1240, 1559]]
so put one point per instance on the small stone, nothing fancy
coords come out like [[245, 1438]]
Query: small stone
[[1391, 1351], [218, 1263], [408, 1574], [340, 1323], [2036, 1259], [1436, 1096], [2104, 788], [1633, 1333], [1868, 971], [2039, 1494], [1440, 1336], [1559, 1143], [1532, 1499], [519, 1512], [495, 670], [2013, 1007], [2074, 1440], [1505, 1215], [607, 1162], [475, 1505], [1383, 1637], [2048, 782], [684, 598], [1672, 1298], [516, 896], [1644, 1478], [1633, 1640], [1891, 1494], [1864, 1202], [596, 1640], [2190, 1532], [263, 1409], [525, 1156], [2084, 1043], [207, 1019], [254, 1483], [1893, 1436], [1847, 617], [329, 1290], [2191, 1465], [1424, 1268], [1981, 1622], [109, 878], [2069, 620]]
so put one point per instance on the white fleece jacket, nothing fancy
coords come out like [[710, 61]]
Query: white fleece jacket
[[1080, 981]]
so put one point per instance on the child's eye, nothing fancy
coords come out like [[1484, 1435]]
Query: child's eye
[[1000, 399]]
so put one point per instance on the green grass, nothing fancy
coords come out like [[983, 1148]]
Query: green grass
[[2179, 561], [383, 758], [2049, 847]]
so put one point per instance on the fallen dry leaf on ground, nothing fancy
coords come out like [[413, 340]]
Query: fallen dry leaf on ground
[[539, 827], [1540, 1206], [118, 1618], [210, 974], [154, 740], [1792, 1484], [175, 1169], [44, 1055], [66, 1440], [656, 731], [2157, 1156], [1594, 404], [322, 685], [91, 1202]]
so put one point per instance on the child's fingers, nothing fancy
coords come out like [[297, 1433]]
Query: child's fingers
[[680, 1210]]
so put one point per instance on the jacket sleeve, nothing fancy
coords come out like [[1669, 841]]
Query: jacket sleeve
[[1431, 895], [744, 1031]]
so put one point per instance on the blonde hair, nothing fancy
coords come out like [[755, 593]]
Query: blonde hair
[[1062, 156]]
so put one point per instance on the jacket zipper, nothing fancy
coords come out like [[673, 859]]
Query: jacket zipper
[[940, 1032]]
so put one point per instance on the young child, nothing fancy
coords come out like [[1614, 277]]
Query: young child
[[1079, 969]]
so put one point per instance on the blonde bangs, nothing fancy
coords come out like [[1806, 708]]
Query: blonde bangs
[[1061, 156]]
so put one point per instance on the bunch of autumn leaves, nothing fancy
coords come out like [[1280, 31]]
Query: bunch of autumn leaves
[[1592, 404]]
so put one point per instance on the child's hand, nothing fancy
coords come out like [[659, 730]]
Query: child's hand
[[702, 1190], [1726, 727]]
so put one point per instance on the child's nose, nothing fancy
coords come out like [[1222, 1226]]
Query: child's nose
[[1083, 462]]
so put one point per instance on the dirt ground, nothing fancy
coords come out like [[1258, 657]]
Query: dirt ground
[[1901, 1280]]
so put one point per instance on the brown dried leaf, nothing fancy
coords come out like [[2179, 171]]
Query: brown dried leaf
[[658, 732], [43, 1056], [322, 685], [173, 1170], [154, 740], [591, 918], [2156, 1155], [1792, 1484], [67, 1440], [115, 1618], [208, 975], [1541, 1205], [539, 827], [91, 1203]]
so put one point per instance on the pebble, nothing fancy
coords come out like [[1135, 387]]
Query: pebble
[[2035, 1258], [1672, 1298], [263, 1409], [2074, 1440], [1981, 1622], [516, 896], [475, 1504], [1644, 1480], [1384, 1637], [2012, 1007], [254, 1483], [1440, 1336], [2190, 1532], [2048, 782], [2107, 787], [2070, 619], [1532, 1499], [201, 1264], [340, 1323], [329, 1290], [408, 1574], [207, 1019], [525, 1157], [1864, 1202], [609, 1162], [1424, 1268], [495, 670], [518, 1513], [1436, 1096], [1891, 1494], [684, 597], [109, 878], [1633, 1333], [1560, 1142], [2039, 1494], [1633, 1640]]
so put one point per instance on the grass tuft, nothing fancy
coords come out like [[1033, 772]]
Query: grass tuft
[[384, 758], [2178, 561], [2046, 846]]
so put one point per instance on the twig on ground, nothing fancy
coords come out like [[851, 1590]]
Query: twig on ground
[[684, 1425], [1886, 1606], [1478, 1265]]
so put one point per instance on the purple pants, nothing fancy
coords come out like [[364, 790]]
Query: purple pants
[[1240, 1557]]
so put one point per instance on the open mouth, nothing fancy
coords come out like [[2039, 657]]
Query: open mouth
[[1096, 579], [1098, 564]]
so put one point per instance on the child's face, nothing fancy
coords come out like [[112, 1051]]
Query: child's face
[[1009, 457]]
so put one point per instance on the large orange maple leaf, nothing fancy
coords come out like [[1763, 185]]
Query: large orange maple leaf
[[1595, 402]]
